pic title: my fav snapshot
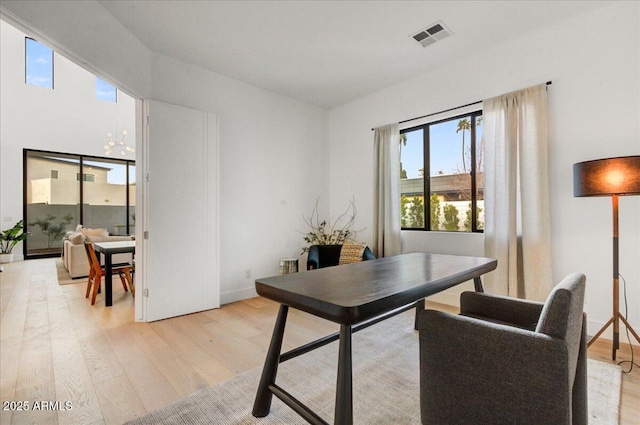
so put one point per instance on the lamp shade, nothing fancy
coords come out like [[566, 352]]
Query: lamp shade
[[608, 176]]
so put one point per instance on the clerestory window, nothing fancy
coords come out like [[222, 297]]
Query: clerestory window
[[38, 64], [105, 91]]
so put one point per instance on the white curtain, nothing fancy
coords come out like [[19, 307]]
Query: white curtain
[[516, 190], [386, 197]]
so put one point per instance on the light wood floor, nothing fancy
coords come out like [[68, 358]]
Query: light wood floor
[[57, 347]]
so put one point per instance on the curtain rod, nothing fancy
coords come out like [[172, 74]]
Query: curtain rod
[[447, 110]]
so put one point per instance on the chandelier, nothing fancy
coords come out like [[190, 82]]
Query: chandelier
[[115, 145]]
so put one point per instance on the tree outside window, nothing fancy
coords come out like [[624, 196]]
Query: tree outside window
[[444, 160]]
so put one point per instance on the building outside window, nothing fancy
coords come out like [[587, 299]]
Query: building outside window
[[103, 198], [38, 64], [444, 160]]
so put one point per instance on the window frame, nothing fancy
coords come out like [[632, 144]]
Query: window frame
[[90, 178], [115, 98], [81, 183], [426, 161], [53, 68]]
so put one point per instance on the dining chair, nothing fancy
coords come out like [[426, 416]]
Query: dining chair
[[96, 271]]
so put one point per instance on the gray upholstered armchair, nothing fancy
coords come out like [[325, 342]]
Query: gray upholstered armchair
[[505, 360]]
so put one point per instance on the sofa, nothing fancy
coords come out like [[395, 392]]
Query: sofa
[[74, 257]]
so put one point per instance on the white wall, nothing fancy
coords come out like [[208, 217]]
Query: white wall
[[274, 153], [86, 33], [273, 150], [67, 118], [594, 113], [273, 165]]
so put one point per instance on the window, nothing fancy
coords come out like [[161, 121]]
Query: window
[[38, 64], [64, 190], [86, 177], [444, 160], [105, 91]]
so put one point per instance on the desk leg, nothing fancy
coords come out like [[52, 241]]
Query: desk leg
[[108, 267], [419, 308], [344, 395], [262, 404], [478, 284]]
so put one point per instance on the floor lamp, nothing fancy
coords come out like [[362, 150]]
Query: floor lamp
[[610, 177]]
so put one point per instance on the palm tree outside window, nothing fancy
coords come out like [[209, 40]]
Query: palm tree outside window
[[441, 168]]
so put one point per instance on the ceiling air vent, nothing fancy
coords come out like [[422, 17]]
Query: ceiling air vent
[[433, 33]]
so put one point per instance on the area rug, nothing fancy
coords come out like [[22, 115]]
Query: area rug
[[64, 278], [385, 386]]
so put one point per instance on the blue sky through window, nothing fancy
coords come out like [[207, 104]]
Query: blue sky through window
[[39, 64], [446, 149], [117, 173], [105, 91]]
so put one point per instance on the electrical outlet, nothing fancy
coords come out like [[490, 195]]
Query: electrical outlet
[[247, 273]]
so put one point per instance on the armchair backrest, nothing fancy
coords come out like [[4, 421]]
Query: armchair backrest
[[321, 256], [562, 314], [329, 255]]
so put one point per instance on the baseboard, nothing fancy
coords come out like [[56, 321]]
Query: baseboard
[[451, 296], [445, 298], [238, 295], [593, 326]]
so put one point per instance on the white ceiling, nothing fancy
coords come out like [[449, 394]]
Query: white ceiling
[[329, 53]]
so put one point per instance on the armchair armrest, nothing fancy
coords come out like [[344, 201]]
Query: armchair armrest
[[313, 258], [521, 313], [473, 371]]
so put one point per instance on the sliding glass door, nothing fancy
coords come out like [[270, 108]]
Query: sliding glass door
[[131, 178], [62, 191], [105, 197], [52, 199]]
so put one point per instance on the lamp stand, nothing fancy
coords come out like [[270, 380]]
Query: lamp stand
[[616, 292]]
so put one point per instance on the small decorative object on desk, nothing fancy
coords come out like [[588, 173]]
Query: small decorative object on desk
[[288, 265]]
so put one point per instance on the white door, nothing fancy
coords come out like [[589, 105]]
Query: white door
[[180, 208]]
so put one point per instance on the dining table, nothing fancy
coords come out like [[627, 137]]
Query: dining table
[[108, 249]]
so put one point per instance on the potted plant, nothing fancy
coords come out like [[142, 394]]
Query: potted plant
[[331, 232], [9, 238]]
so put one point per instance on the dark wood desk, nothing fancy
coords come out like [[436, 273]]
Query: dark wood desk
[[108, 249], [354, 296]]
